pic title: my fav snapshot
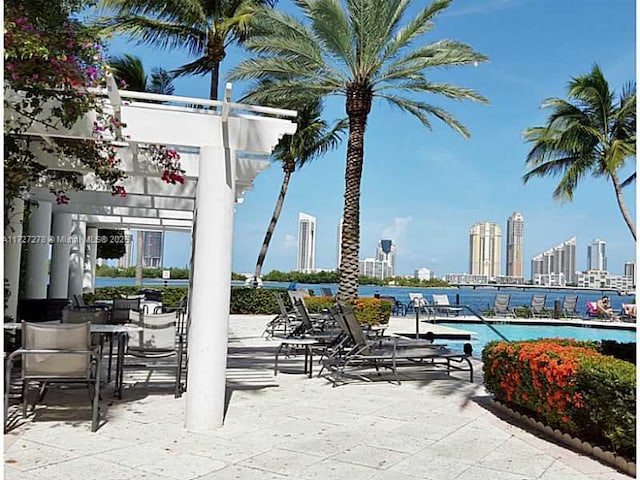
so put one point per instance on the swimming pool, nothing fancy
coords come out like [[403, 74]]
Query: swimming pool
[[526, 332]]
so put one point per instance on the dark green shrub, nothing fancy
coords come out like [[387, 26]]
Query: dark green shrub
[[568, 385], [256, 300], [622, 351], [170, 295]]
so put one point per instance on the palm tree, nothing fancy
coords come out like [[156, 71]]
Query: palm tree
[[129, 71], [361, 52], [204, 27], [591, 133], [312, 138]]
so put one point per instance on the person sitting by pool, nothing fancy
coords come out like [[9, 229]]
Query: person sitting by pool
[[604, 307], [629, 309]]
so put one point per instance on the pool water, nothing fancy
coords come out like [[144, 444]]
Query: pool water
[[526, 332]]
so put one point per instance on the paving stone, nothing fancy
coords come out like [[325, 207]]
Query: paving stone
[[281, 461], [25, 455], [90, 468], [517, 456], [429, 466], [335, 470], [183, 466], [480, 473], [236, 472], [368, 456]]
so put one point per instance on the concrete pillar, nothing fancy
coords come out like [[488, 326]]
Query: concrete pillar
[[91, 256], [76, 256], [37, 243], [12, 251], [60, 251], [211, 291]]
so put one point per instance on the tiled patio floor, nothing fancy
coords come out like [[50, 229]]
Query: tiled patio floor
[[290, 426]]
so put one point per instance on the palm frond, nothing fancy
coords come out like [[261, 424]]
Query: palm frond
[[129, 69], [161, 81], [422, 111], [446, 89], [159, 33], [629, 180], [417, 27]]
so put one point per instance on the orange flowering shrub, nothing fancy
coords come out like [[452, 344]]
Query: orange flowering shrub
[[567, 385]]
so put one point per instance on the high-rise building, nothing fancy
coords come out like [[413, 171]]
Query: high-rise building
[[596, 255], [127, 259], [485, 241], [556, 266], [630, 271], [383, 265], [306, 243], [339, 245], [386, 252], [423, 274], [515, 242], [152, 246]]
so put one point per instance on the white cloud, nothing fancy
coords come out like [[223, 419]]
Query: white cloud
[[290, 241], [396, 231]]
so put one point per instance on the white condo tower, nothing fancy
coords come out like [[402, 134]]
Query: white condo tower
[[306, 243]]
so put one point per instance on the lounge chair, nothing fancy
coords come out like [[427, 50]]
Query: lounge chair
[[501, 305], [537, 306], [389, 352], [282, 323], [442, 300], [56, 353], [569, 306], [417, 302], [326, 292], [628, 312]]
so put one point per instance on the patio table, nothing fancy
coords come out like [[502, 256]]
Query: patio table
[[121, 332]]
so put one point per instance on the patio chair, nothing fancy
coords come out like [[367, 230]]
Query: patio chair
[[569, 306], [592, 310], [326, 292], [283, 322], [73, 315], [443, 300], [122, 307], [390, 352], [161, 336], [56, 354], [501, 305], [417, 301], [537, 306], [628, 312], [398, 308]]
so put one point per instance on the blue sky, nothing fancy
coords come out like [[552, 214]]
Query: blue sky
[[424, 189]]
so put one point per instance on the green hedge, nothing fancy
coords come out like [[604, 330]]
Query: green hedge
[[249, 301], [568, 385], [623, 351], [170, 295], [256, 301]]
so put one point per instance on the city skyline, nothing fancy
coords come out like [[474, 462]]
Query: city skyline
[[555, 266], [596, 255]]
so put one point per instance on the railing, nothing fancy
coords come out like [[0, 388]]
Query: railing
[[432, 309]]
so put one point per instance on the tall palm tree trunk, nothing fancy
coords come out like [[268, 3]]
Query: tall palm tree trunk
[[272, 225], [358, 107], [215, 78], [139, 258], [621, 203]]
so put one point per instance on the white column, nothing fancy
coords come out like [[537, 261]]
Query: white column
[[37, 243], [76, 256], [60, 251], [88, 281], [12, 251], [211, 291]]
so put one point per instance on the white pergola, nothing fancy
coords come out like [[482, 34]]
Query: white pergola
[[223, 146]]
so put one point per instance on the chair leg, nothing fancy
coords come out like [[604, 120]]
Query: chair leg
[[275, 363], [178, 390], [95, 410], [25, 395], [41, 393]]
